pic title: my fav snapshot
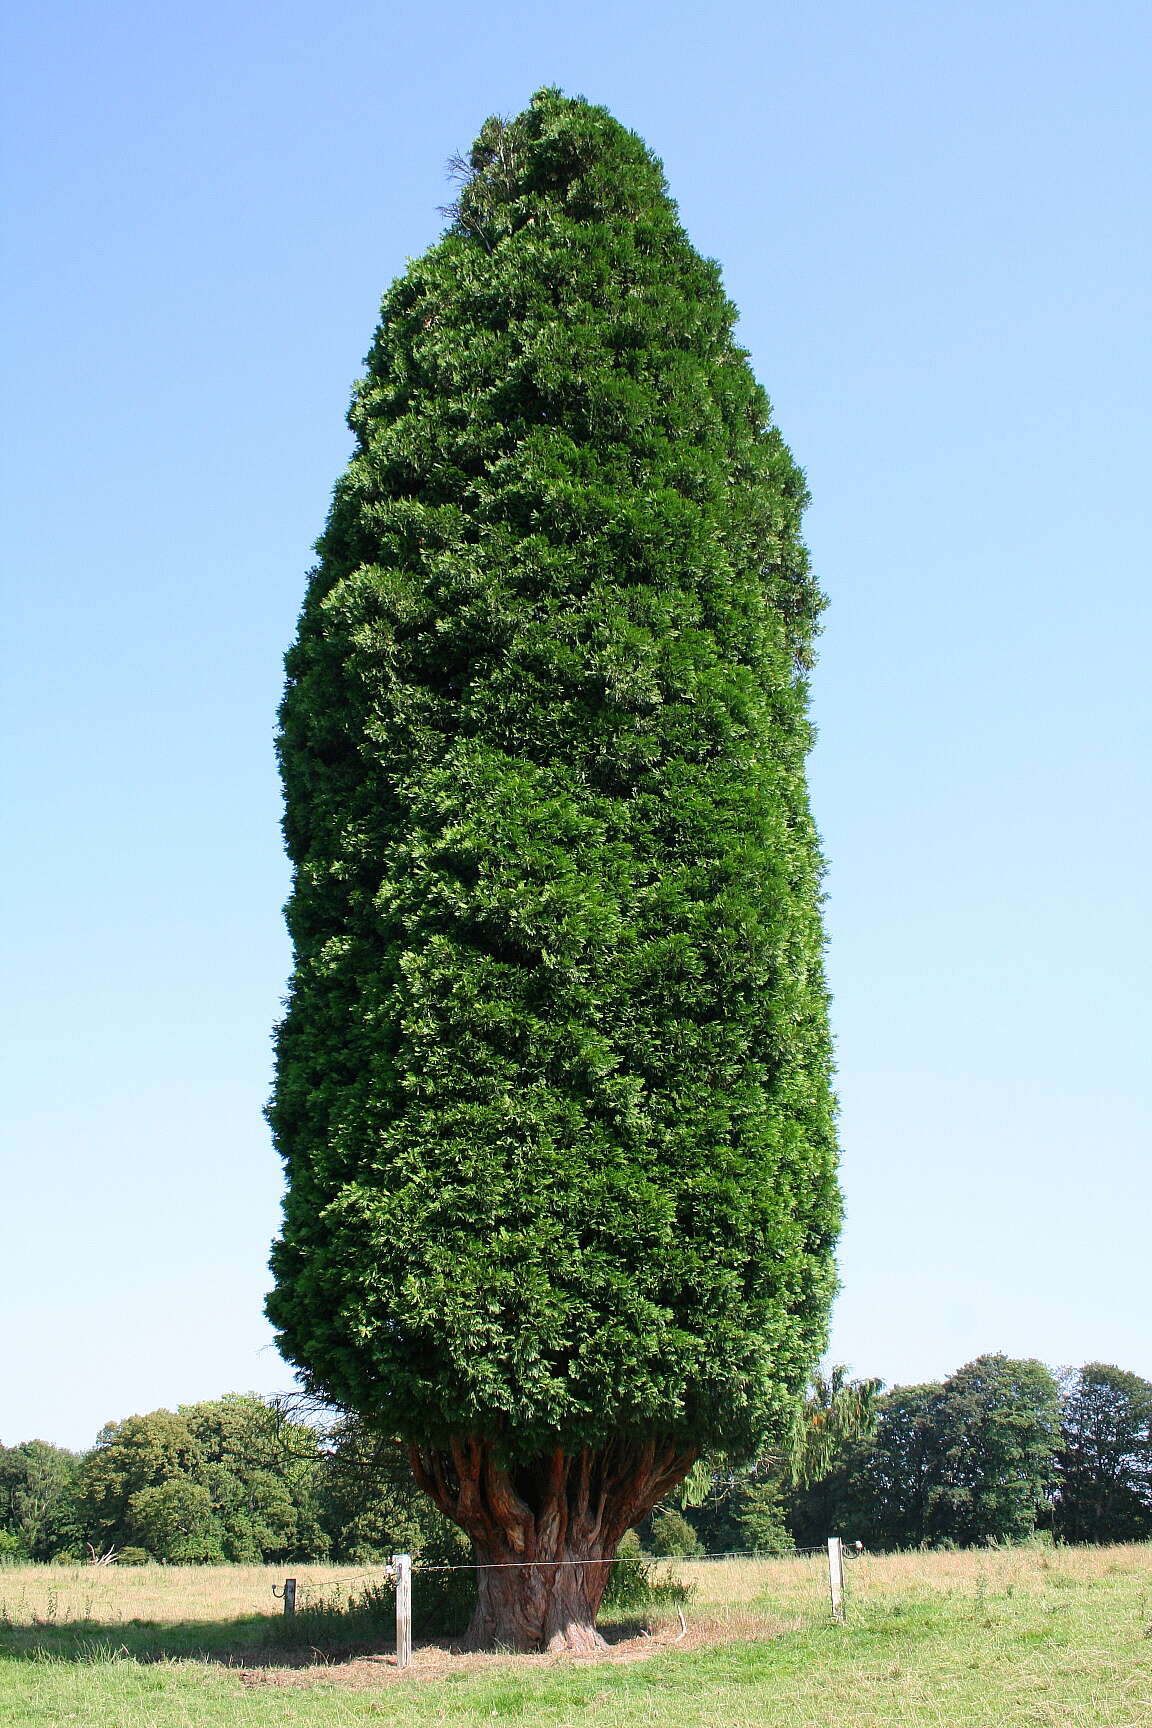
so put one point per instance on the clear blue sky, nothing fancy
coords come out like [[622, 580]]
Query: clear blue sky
[[936, 223]]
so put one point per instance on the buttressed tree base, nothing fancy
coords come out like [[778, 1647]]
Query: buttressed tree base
[[553, 1082]]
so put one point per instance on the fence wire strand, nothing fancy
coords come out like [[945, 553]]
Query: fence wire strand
[[385, 1566]]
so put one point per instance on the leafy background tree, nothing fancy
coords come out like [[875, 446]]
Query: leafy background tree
[[837, 1419], [1104, 1466], [886, 1494], [224, 1480], [671, 1533], [553, 1084], [37, 1512], [997, 1433], [712, 1498], [965, 1461], [370, 1505], [762, 1520], [792, 1494], [264, 1477], [130, 1457], [837, 1413], [175, 1520]]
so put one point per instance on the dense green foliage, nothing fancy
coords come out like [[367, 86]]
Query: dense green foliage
[[791, 1495], [959, 1463], [837, 1413], [1104, 1468], [836, 1423], [230, 1480], [224, 1480], [967, 1461], [670, 1533], [37, 1513], [370, 1506], [553, 1081], [998, 1429], [963, 1462]]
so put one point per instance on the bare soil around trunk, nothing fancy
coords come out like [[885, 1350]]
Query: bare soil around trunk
[[437, 1659]]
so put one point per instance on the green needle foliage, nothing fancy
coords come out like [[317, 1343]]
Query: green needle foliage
[[553, 1084]]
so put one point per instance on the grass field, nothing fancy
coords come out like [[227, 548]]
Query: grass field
[[1053, 1638]]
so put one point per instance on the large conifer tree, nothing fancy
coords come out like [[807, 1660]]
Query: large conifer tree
[[553, 1082]]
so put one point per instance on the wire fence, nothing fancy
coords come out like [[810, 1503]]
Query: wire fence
[[401, 1571], [381, 1572]]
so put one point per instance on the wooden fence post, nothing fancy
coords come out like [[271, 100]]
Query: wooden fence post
[[403, 1565], [836, 1576], [289, 1595]]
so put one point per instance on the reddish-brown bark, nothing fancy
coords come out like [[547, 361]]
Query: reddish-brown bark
[[545, 1533]]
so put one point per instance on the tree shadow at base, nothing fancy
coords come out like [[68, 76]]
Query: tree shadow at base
[[251, 1642]]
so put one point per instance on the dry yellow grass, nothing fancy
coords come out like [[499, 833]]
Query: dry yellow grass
[[114, 1595], [1033, 1568], [111, 1595]]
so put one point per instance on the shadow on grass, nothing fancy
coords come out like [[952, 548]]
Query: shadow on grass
[[312, 1638], [253, 1641]]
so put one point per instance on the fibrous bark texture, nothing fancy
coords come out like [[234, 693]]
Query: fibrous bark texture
[[545, 1533]]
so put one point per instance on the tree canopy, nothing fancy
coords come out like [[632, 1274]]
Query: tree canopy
[[553, 1083], [224, 1480], [37, 1482], [1104, 1491], [964, 1461]]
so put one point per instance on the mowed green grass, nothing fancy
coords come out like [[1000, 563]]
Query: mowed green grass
[[1058, 1638]]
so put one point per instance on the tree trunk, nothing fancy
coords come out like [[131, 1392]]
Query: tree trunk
[[545, 1532]]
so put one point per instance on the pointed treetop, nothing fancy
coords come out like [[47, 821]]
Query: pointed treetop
[[563, 151]]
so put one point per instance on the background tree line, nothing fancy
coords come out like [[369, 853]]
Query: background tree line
[[234, 1479], [997, 1451]]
